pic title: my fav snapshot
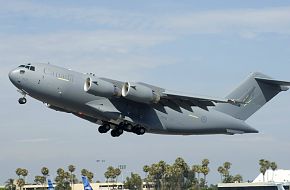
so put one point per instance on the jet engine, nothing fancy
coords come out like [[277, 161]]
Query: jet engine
[[139, 93], [99, 87]]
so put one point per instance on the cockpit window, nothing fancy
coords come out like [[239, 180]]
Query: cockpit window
[[28, 66], [22, 71]]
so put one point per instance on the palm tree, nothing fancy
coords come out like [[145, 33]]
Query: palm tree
[[20, 182], [9, 184], [146, 169], [24, 173], [205, 162], [221, 170], [45, 172], [227, 165], [39, 180], [263, 171], [267, 165], [198, 172], [18, 172], [205, 170], [274, 167], [238, 178], [71, 169]]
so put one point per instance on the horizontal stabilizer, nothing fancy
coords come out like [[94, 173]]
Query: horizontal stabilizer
[[274, 82]]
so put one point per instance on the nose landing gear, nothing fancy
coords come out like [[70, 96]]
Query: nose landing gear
[[22, 100]]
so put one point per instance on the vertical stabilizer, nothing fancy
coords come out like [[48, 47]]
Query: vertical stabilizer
[[254, 92], [50, 186], [86, 183]]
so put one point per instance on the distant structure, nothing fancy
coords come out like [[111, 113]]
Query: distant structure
[[95, 186], [277, 176], [272, 180]]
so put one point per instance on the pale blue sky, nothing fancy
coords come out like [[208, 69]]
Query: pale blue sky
[[202, 47]]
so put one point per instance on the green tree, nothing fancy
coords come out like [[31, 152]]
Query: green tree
[[71, 169], [45, 172], [9, 184], [20, 182], [238, 178], [87, 173], [264, 166], [274, 167], [134, 182], [117, 173], [24, 173], [205, 170], [221, 171], [62, 180], [18, 172], [146, 169], [40, 180], [180, 171]]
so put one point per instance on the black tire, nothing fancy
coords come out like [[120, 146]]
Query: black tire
[[141, 131], [104, 128], [114, 133], [119, 131], [128, 127], [22, 101]]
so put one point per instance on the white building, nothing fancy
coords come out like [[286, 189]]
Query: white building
[[272, 180], [277, 176]]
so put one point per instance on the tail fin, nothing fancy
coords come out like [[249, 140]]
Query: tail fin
[[255, 91], [86, 183], [50, 186]]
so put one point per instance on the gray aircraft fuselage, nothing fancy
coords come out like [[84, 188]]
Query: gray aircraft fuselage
[[63, 90]]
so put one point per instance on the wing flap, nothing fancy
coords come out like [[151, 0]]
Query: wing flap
[[182, 99]]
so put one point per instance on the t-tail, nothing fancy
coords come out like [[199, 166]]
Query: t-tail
[[50, 186], [252, 94], [86, 183]]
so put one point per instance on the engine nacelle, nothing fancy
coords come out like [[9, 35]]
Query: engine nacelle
[[139, 93], [99, 87]]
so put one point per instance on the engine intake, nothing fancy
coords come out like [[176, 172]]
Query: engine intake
[[139, 93], [99, 87]]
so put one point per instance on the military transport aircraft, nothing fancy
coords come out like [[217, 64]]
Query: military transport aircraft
[[138, 107]]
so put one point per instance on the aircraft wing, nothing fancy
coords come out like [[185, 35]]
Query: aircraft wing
[[177, 99], [184, 100]]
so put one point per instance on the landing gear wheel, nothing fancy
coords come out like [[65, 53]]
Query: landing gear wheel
[[117, 132], [128, 127], [104, 128], [22, 100], [141, 131]]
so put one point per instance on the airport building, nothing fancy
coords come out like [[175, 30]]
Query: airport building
[[95, 186], [272, 180]]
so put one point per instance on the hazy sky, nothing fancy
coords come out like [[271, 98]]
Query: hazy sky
[[202, 47]]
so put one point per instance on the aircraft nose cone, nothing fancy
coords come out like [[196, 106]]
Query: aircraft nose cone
[[12, 76]]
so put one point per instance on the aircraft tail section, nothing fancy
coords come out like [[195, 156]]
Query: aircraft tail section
[[86, 183], [254, 92], [50, 186]]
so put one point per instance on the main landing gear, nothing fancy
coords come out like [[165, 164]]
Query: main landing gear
[[118, 130]]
